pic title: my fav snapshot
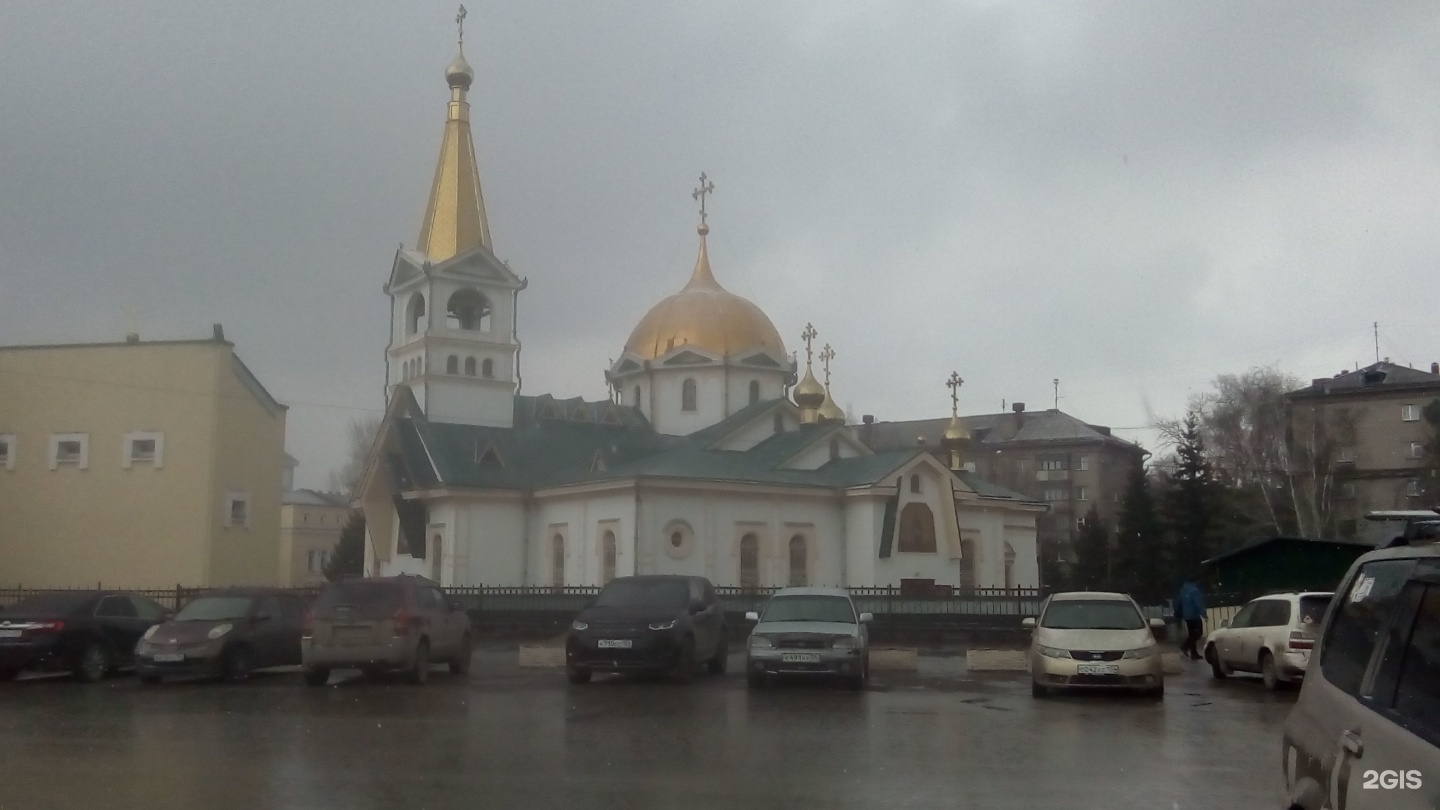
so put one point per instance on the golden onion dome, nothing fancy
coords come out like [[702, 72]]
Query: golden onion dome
[[829, 411], [706, 316], [956, 431], [458, 73], [810, 393]]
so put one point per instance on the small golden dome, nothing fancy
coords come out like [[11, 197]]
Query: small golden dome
[[706, 316], [829, 411], [810, 393], [956, 430], [458, 73]]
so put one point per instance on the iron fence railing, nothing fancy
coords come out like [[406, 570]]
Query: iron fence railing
[[503, 599]]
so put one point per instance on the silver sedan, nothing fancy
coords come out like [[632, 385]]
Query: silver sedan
[[809, 631]]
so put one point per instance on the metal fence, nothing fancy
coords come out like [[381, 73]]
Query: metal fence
[[513, 599]]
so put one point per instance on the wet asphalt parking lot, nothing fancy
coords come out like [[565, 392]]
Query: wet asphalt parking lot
[[506, 737]]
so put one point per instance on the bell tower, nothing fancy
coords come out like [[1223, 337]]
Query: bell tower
[[453, 337]]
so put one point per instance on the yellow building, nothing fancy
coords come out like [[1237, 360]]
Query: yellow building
[[137, 465], [310, 526]]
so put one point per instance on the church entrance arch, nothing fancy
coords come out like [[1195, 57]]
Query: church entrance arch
[[607, 558], [799, 561], [557, 560]]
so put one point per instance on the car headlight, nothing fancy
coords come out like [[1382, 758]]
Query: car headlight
[[761, 641], [219, 630], [579, 625], [662, 625], [843, 643], [149, 634], [1053, 652], [1141, 652]]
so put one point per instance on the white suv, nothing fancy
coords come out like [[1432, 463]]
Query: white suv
[[1272, 635]]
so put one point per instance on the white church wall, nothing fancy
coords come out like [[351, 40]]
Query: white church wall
[[582, 519], [938, 565], [864, 520], [758, 430], [469, 401], [820, 454], [772, 385], [489, 536], [1020, 534], [669, 417]]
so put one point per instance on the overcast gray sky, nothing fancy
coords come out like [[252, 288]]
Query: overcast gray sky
[[1132, 197]]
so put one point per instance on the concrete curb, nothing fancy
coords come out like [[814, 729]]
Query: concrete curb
[[541, 655], [894, 660]]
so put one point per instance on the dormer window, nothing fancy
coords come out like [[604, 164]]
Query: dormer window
[[754, 391], [834, 449], [687, 395]]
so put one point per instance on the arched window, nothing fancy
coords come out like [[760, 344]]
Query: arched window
[[969, 563], [834, 449], [1009, 567], [557, 560], [607, 561], [799, 568], [754, 391], [415, 312], [779, 423], [487, 368], [750, 561], [687, 395], [917, 528], [468, 310], [452, 365], [469, 367], [915, 483], [636, 403]]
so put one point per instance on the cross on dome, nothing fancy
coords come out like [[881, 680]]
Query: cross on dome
[[705, 189]]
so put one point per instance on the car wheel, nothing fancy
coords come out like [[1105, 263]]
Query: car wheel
[[237, 664], [1158, 693], [1268, 674], [1036, 690], [755, 680], [317, 676], [685, 662], [858, 682], [94, 662], [460, 664], [1217, 670], [149, 680], [577, 675], [420, 668], [721, 661]]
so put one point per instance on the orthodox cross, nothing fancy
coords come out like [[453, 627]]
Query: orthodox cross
[[826, 355], [807, 336], [460, 21], [706, 188], [954, 383]]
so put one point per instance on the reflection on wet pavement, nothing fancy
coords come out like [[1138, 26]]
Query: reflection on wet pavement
[[507, 737]]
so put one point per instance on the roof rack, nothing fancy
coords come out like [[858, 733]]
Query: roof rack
[[1417, 532]]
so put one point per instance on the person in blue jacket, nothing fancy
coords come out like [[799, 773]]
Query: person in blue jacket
[[1190, 608]]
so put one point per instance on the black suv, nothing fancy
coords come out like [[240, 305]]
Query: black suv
[[649, 624]]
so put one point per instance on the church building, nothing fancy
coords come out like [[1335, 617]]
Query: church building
[[709, 458]]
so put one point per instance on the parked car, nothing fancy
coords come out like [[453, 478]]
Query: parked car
[[88, 633], [1094, 640], [1365, 730], [649, 624], [808, 631], [386, 623], [225, 634], [1272, 635]]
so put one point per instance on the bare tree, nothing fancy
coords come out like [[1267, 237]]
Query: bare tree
[[361, 437], [1316, 435]]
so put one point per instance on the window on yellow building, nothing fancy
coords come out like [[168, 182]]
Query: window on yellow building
[[69, 449], [7, 451], [237, 510]]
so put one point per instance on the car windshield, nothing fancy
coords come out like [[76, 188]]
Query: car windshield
[[380, 595], [644, 593], [214, 608], [1092, 614], [809, 609], [49, 604]]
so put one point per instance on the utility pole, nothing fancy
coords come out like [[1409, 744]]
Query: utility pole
[[1377, 341], [1057, 393]]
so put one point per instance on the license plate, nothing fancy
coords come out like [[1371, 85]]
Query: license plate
[[1098, 669], [353, 635], [11, 633], [614, 643], [799, 658], [169, 658]]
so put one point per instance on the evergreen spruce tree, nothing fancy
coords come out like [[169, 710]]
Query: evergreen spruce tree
[[1192, 509], [1139, 564], [349, 556], [1092, 569]]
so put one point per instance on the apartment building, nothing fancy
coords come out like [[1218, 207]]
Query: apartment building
[[1360, 437]]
